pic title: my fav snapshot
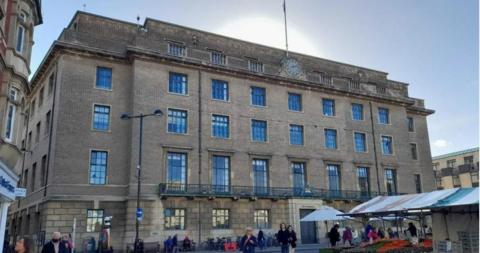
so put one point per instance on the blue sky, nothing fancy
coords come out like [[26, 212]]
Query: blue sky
[[430, 44]]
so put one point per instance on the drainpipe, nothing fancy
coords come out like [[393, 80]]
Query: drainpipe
[[374, 146], [199, 132]]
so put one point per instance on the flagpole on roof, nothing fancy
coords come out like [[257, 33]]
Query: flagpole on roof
[[285, 19]]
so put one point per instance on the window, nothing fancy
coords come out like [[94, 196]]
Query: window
[[294, 102], [101, 117], [98, 167], [353, 84], [178, 83], [383, 116], [435, 166], [298, 176], [387, 147], [51, 83], [474, 178], [381, 90], [328, 107], [418, 183], [32, 109], [259, 130], [47, 122], [221, 173], [413, 151], [360, 142], [258, 96], [37, 132], [261, 219], [34, 175], [40, 97], [94, 220], [218, 58], [255, 65], [296, 135], [220, 90], [220, 218], [174, 218], [11, 110], [25, 179], [468, 160], [220, 126], [330, 138], [456, 181], [357, 111], [20, 39], [30, 140], [363, 180], [177, 121], [104, 78], [411, 124], [260, 176], [451, 163], [176, 49], [325, 79], [43, 170], [176, 170], [333, 177], [391, 181]]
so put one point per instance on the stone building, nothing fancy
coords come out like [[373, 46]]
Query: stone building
[[248, 136], [18, 19], [457, 169]]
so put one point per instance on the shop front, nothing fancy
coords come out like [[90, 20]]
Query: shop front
[[8, 183]]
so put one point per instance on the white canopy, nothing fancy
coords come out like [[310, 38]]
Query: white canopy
[[324, 213]]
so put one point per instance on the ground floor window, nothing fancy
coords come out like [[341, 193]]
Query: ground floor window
[[94, 220], [174, 218], [262, 218], [221, 218]]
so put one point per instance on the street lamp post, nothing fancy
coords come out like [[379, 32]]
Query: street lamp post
[[140, 116]]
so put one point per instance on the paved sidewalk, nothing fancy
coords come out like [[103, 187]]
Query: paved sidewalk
[[304, 248]]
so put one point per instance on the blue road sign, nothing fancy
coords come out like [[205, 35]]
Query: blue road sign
[[139, 213]]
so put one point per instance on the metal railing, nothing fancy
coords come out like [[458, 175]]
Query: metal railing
[[208, 190]]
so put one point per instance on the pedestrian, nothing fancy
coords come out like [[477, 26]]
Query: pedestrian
[[248, 242], [334, 235], [368, 227], [391, 235], [292, 238], [261, 239], [381, 233], [347, 236], [412, 229], [372, 235], [24, 245], [282, 238], [6, 247], [54, 245], [174, 244], [67, 241], [167, 244]]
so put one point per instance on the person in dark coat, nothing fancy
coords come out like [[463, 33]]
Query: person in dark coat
[[282, 238], [248, 242], [261, 239], [292, 238], [55, 246], [412, 229], [175, 244], [334, 235]]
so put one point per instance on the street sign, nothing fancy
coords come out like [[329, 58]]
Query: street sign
[[139, 214], [20, 192]]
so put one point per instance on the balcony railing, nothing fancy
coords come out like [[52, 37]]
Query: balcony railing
[[206, 190]]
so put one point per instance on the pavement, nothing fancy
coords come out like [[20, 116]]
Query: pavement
[[304, 248]]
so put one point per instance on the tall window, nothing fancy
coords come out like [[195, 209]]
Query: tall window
[[176, 170], [468, 160], [48, 117], [360, 142], [298, 176], [37, 132], [43, 169], [357, 111], [174, 218], [413, 151], [40, 97], [221, 173], [451, 163], [294, 102], [262, 219], [94, 220], [176, 49], [258, 96], [218, 58], [383, 116], [333, 177], [474, 178], [34, 177], [51, 83], [296, 135], [391, 181], [220, 90], [328, 107], [331, 138], [260, 175], [259, 130], [11, 110], [255, 65], [387, 145], [220, 126], [20, 39], [410, 124], [101, 117], [177, 121], [363, 180], [98, 167], [221, 218], [32, 109], [418, 183], [104, 78], [177, 83], [456, 181]]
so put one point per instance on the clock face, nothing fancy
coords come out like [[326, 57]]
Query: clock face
[[292, 67]]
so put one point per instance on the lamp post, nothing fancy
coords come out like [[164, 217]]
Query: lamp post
[[140, 116]]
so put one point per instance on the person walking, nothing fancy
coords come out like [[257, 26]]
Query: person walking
[[248, 242], [282, 238], [174, 244], [334, 235], [412, 229], [24, 245], [347, 236], [54, 245], [292, 238], [261, 239]]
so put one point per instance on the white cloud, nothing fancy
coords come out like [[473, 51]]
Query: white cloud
[[440, 143]]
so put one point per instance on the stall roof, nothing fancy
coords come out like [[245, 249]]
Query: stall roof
[[463, 196], [324, 213]]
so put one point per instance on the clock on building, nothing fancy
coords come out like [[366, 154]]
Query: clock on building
[[291, 67]]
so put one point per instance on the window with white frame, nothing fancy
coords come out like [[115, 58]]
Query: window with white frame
[[218, 58], [11, 110]]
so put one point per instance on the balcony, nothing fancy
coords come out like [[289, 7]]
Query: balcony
[[251, 192]]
